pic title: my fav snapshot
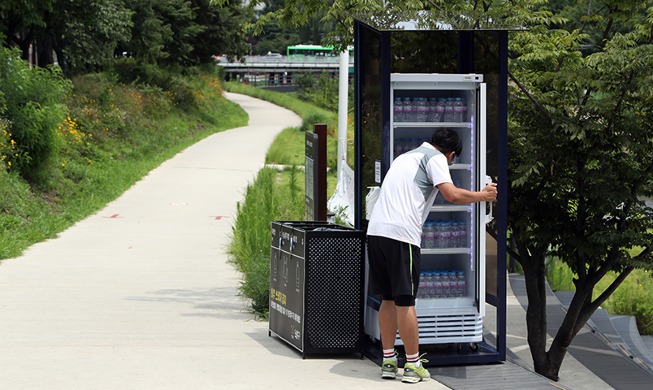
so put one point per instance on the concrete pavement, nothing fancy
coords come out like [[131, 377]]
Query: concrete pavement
[[141, 296]]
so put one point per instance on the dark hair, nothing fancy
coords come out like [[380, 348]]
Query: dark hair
[[446, 140]]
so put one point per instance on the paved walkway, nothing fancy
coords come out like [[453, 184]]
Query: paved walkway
[[141, 295]]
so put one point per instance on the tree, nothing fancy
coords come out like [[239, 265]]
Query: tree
[[82, 34], [223, 30], [20, 21], [581, 141], [580, 138]]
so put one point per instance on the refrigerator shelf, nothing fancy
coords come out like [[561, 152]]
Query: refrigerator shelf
[[445, 251], [449, 208], [422, 305], [462, 125]]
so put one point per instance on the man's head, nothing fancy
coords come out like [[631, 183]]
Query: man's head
[[446, 141]]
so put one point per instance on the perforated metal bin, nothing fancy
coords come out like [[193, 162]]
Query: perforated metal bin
[[317, 286]]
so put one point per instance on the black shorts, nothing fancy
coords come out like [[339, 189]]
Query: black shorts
[[394, 269]]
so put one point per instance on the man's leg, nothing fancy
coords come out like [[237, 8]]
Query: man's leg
[[388, 324], [409, 332], [388, 327], [408, 329]]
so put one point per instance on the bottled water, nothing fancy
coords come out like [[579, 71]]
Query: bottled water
[[448, 110], [398, 110], [446, 234], [463, 234], [461, 284], [438, 288], [459, 232], [439, 235], [409, 110], [464, 109], [430, 112], [439, 110], [429, 235], [458, 110], [446, 285], [421, 291], [421, 105]]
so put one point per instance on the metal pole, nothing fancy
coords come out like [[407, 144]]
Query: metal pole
[[343, 87]]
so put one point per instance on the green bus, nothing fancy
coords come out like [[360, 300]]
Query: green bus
[[308, 52]]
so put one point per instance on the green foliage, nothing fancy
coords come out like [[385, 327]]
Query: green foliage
[[634, 297], [87, 36], [92, 31], [114, 135], [322, 90], [273, 196], [288, 148], [31, 110]]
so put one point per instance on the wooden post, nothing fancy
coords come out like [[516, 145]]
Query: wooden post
[[316, 151]]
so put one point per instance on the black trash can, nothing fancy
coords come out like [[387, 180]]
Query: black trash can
[[317, 277]]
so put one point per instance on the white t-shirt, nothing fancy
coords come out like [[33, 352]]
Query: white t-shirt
[[407, 194]]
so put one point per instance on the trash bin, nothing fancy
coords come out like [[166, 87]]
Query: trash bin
[[317, 286]]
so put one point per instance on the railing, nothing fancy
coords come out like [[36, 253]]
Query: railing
[[283, 61]]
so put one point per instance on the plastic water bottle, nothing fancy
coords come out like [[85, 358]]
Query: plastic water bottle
[[409, 110], [464, 109], [439, 110], [461, 284], [458, 110], [461, 234], [446, 285], [437, 285], [448, 110], [446, 234], [429, 235], [421, 105], [431, 104], [421, 291], [398, 110]]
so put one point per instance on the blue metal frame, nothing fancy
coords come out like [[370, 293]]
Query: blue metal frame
[[465, 64]]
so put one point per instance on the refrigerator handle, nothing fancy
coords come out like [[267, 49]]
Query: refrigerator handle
[[488, 217]]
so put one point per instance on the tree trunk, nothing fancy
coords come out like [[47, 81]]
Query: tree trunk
[[535, 278]]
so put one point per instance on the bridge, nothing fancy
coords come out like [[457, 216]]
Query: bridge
[[273, 70]]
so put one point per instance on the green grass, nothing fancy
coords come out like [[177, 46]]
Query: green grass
[[634, 297], [274, 195], [288, 147], [115, 135]]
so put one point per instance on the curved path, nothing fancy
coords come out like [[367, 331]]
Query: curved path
[[141, 295]]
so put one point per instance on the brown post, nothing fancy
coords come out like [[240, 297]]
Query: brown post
[[316, 151]]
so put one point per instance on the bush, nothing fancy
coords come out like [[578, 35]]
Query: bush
[[129, 70], [32, 110], [273, 196]]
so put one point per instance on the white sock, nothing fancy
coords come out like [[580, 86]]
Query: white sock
[[389, 354], [414, 359]]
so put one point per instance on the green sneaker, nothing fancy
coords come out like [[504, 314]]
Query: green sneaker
[[413, 374], [389, 369]]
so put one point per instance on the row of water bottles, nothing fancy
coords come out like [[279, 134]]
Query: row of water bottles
[[442, 284], [444, 234], [421, 109], [403, 145]]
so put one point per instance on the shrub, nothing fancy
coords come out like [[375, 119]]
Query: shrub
[[32, 110], [273, 196]]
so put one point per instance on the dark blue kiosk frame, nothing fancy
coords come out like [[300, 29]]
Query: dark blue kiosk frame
[[380, 52]]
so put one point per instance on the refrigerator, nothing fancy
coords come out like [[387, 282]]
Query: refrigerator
[[450, 303]]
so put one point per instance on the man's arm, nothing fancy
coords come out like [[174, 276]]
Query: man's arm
[[457, 195]]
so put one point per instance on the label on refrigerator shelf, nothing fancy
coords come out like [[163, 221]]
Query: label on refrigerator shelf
[[377, 171]]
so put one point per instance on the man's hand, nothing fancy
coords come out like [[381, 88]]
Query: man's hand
[[490, 192]]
